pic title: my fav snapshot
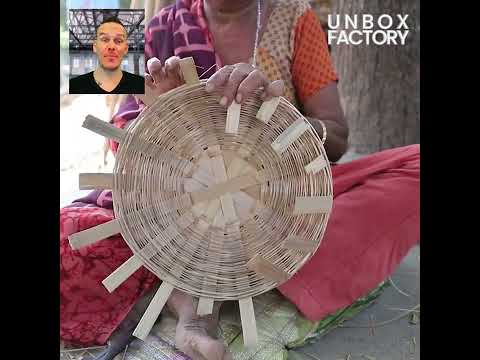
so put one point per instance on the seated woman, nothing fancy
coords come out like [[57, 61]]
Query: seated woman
[[240, 46]]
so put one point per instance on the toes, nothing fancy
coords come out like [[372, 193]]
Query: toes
[[189, 349], [186, 346], [210, 349], [204, 349]]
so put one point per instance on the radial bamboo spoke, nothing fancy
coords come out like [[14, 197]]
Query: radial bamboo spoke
[[267, 109], [153, 311], [233, 118], [290, 135], [94, 234], [122, 273], [313, 204], [104, 128], [249, 325]]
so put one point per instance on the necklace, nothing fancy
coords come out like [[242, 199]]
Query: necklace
[[257, 33]]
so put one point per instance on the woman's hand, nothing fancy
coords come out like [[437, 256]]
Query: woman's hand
[[237, 82], [162, 77]]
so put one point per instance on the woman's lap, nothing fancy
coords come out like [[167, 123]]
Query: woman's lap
[[373, 224]]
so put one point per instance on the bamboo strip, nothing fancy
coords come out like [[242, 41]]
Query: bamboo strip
[[249, 326], [233, 118], [299, 243], [94, 234], [205, 306], [265, 268], [290, 135], [217, 190], [153, 310], [316, 165], [103, 128], [220, 173], [267, 109], [122, 273], [313, 204], [189, 71]]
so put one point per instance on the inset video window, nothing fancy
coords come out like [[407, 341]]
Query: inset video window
[[106, 48]]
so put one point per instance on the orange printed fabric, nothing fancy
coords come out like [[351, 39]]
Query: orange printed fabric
[[312, 67]]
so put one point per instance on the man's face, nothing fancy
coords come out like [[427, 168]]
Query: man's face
[[111, 45]]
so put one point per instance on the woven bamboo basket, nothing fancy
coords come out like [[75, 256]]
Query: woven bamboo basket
[[223, 204]]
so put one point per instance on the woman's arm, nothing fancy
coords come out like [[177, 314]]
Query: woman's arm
[[325, 105], [315, 82]]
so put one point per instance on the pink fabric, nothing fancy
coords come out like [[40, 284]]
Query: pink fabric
[[373, 224], [88, 312]]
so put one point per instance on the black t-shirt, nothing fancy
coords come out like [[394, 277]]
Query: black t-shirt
[[86, 84]]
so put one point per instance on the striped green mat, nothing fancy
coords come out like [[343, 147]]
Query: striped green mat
[[279, 324]]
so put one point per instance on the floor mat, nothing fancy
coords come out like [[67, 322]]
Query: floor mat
[[279, 324]]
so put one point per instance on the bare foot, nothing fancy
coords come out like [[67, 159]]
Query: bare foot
[[196, 335], [193, 339]]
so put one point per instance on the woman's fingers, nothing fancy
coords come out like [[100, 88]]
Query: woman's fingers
[[252, 82], [149, 81], [172, 68], [219, 79], [156, 70], [230, 93], [237, 82], [162, 78], [273, 89]]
